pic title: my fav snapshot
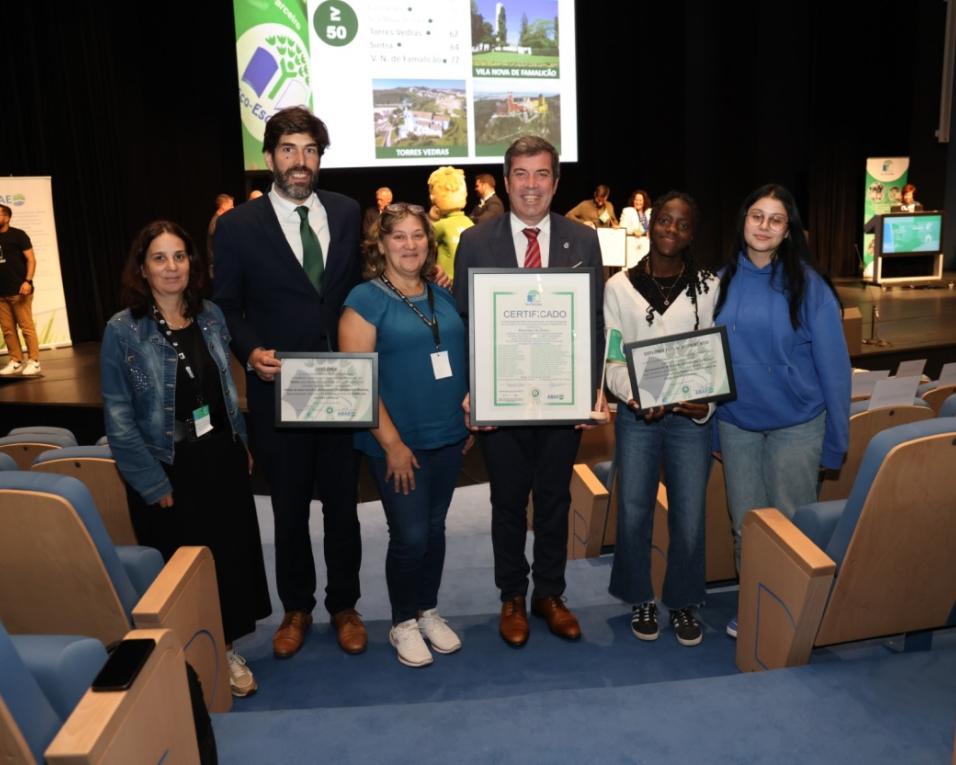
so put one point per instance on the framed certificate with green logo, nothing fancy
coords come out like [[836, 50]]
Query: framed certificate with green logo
[[327, 390], [693, 366], [531, 349]]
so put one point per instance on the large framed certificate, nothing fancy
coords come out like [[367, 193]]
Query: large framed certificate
[[693, 366], [327, 390], [531, 344]]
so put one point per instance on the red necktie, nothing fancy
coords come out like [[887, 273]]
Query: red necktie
[[532, 256]]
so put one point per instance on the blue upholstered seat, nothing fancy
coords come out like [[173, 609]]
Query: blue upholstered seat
[[45, 430], [95, 452], [41, 680], [7, 462], [949, 407], [54, 439], [831, 524], [144, 562]]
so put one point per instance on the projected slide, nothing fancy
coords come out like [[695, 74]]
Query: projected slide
[[912, 234], [418, 82]]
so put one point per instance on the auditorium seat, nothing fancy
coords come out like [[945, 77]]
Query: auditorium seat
[[24, 447], [935, 394], [948, 407], [48, 430], [96, 468], [864, 424], [593, 521], [48, 714], [7, 462], [878, 563], [61, 574]]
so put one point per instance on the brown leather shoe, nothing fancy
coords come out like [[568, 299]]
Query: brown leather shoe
[[350, 630], [513, 624], [560, 620], [291, 634]]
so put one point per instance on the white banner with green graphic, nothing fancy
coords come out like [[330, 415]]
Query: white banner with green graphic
[[272, 49], [31, 200], [885, 178]]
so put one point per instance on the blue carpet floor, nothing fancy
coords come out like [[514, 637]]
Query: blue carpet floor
[[607, 698]]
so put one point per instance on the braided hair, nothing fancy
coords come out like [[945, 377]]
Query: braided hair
[[697, 277]]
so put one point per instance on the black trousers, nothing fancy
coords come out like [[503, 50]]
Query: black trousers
[[295, 462], [536, 461]]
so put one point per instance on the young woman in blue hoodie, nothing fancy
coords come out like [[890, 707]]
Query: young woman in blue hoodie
[[791, 366]]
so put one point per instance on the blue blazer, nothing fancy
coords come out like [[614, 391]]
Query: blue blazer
[[572, 245], [263, 291]]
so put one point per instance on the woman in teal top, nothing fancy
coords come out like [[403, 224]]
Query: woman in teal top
[[415, 453]]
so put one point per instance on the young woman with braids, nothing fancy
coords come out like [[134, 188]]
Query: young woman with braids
[[791, 366], [666, 293]]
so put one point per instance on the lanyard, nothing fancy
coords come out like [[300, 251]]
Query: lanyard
[[165, 329], [432, 323]]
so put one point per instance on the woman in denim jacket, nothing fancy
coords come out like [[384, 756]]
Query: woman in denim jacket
[[175, 429]]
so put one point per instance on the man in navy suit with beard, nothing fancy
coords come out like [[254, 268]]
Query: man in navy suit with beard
[[536, 460], [284, 264]]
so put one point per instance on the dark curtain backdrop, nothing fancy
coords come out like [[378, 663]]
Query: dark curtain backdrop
[[133, 111]]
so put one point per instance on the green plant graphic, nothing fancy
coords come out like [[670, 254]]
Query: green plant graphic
[[292, 61]]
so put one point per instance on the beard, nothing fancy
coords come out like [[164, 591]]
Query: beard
[[298, 191]]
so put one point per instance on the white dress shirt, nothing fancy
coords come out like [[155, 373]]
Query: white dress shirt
[[521, 241], [289, 221]]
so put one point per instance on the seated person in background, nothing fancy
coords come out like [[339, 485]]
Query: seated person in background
[[909, 201], [175, 429], [596, 212], [224, 203], [636, 218], [489, 203], [383, 197], [415, 452], [254, 194], [448, 194]]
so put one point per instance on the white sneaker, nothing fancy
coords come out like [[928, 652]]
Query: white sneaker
[[32, 368], [241, 680], [412, 651], [13, 367], [437, 632]]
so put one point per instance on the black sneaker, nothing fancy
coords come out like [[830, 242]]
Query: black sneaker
[[644, 621], [686, 627]]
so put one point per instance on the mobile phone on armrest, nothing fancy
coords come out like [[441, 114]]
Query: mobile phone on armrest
[[123, 665]]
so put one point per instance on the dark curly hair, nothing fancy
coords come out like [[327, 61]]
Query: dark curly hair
[[696, 276], [136, 294], [391, 215]]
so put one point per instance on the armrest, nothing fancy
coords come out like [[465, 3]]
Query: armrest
[[151, 722], [587, 512], [184, 597], [784, 584]]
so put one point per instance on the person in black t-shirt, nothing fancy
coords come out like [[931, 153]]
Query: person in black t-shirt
[[17, 265]]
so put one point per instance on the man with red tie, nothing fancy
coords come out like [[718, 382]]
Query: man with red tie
[[535, 460]]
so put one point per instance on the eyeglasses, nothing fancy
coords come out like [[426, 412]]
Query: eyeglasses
[[400, 207], [774, 222]]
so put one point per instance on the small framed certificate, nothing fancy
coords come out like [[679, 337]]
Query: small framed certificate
[[531, 345], [327, 390], [692, 366]]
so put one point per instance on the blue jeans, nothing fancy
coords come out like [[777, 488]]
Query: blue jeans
[[772, 468], [416, 529], [684, 447]]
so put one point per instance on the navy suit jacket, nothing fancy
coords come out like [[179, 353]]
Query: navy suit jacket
[[491, 209], [263, 290], [572, 245]]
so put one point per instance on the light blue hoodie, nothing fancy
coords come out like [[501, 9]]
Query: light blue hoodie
[[785, 376]]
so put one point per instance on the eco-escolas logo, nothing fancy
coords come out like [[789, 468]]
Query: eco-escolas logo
[[13, 200], [274, 66], [533, 298]]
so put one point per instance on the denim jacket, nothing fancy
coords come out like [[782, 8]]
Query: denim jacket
[[138, 378]]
